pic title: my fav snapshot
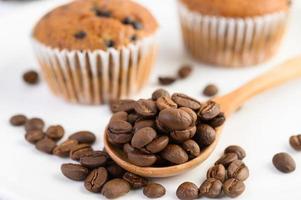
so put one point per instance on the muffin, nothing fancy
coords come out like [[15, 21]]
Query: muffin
[[95, 51], [233, 33]]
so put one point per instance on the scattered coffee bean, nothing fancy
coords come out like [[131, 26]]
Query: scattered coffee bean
[[227, 159], [185, 101], [184, 71], [96, 179], [210, 90], [94, 159], [238, 170], [284, 162], [125, 105], [187, 191], [34, 136], [205, 135], [209, 111], [18, 120], [46, 145], [154, 190], [31, 77], [74, 172], [217, 172], [295, 142], [211, 188], [63, 149], [80, 35], [174, 154], [134, 180], [79, 151], [55, 132], [158, 144], [143, 137], [145, 108], [166, 80], [34, 124], [240, 152], [233, 188], [85, 137], [160, 93], [115, 188]]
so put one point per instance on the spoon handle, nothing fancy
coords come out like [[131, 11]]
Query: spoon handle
[[288, 70]]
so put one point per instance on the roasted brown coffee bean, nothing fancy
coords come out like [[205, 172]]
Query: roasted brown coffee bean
[[284, 162], [63, 149], [160, 128], [158, 144], [233, 188], [119, 138], [166, 80], [174, 154], [115, 170], [218, 172], [187, 191], [240, 152], [55, 132], [217, 121], [85, 137], [205, 135], [185, 71], [127, 148], [160, 93], [94, 159], [146, 107], [31, 77], [209, 111], [192, 114], [79, 151], [165, 102], [210, 90], [96, 179], [46, 145], [227, 159], [120, 127], [182, 136], [143, 124], [143, 137], [192, 148], [18, 120], [74, 172], [34, 136], [125, 105], [185, 101], [175, 119], [211, 188], [141, 159], [295, 142], [115, 188], [123, 116], [133, 117], [154, 190], [238, 170], [34, 124], [134, 180]]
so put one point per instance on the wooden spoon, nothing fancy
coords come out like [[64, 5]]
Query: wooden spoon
[[280, 74]]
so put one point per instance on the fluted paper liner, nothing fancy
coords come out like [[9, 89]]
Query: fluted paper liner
[[96, 77], [231, 41]]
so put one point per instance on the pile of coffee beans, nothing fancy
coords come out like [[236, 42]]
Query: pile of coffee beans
[[31, 77], [224, 178], [183, 73], [164, 130]]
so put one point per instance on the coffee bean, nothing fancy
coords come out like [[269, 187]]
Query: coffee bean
[[80, 35], [143, 137], [174, 154], [295, 142], [96, 179], [240, 152], [192, 148], [209, 111], [34, 124], [227, 159], [192, 114], [123, 116], [211, 188], [146, 108], [185, 101], [217, 121], [210, 90], [134, 180], [115, 170], [63, 149], [127, 148], [238, 170], [217, 172], [166, 80], [115, 188], [94, 159], [185, 71], [46, 145], [158, 144], [187, 191], [74, 171], [154, 190], [160, 93], [165, 102], [182, 136], [119, 138], [85, 137], [284, 162], [160, 128], [18, 120], [34, 136], [233, 188], [132, 118], [143, 124], [175, 119], [125, 105], [79, 151], [205, 135], [31, 77], [120, 127], [55, 132], [141, 159]]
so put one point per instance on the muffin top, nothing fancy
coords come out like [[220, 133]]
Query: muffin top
[[95, 24], [237, 8]]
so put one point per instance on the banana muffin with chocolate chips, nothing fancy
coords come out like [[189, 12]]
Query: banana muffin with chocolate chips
[[95, 51]]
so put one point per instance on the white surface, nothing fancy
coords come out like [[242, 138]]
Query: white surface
[[262, 127]]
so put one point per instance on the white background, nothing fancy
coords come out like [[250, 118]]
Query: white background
[[262, 127]]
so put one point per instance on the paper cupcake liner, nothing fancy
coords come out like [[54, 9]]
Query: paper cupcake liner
[[229, 41], [96, 77]]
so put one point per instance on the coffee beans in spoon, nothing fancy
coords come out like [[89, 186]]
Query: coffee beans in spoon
[[173, 128]]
